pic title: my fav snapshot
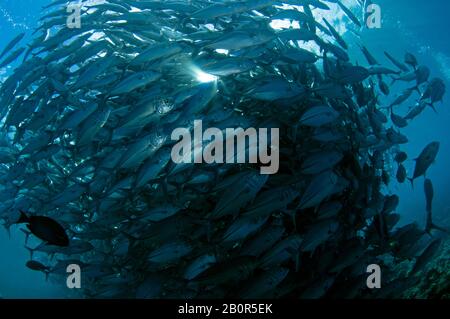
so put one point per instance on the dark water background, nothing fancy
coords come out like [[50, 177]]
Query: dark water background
[[421, 27]]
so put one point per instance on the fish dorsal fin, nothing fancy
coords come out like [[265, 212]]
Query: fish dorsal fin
[[23, 218]]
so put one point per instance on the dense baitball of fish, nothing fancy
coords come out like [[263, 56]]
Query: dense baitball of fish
[[87, 117]]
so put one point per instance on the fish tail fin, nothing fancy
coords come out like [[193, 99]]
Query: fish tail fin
[[27, 234], [432, 106], [23, 218], [31, 250], [411, 180], [436, 227]]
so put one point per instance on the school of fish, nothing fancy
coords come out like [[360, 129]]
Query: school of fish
[[86, 119]]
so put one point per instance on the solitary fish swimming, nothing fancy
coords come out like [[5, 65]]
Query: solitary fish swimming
[[45, 228], [425, 159]]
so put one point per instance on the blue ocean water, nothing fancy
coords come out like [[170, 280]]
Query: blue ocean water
[[420, 27]]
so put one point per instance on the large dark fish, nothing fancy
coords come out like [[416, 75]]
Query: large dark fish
[[434, 91], [46, 229], [425, 159]]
